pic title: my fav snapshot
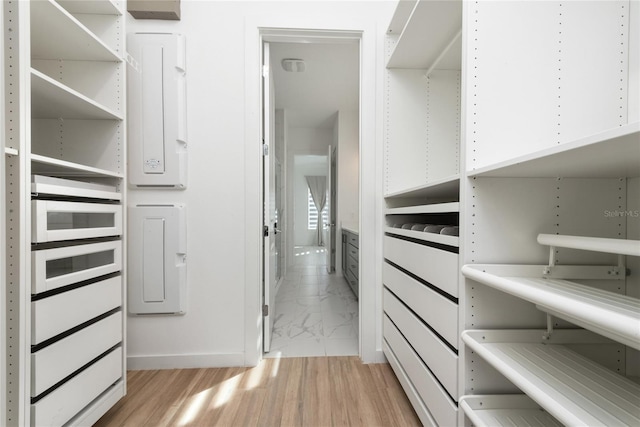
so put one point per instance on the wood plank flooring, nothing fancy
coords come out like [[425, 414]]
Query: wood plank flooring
[[314, 391]]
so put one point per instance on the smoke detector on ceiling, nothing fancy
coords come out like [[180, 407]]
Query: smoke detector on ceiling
[[293, 65]]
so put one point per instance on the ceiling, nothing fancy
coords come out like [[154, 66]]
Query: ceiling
[[329, 83]]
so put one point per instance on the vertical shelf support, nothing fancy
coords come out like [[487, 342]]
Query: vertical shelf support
[[547, 335]]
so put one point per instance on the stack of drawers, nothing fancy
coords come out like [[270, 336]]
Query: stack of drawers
[[350, 252], [76, 296], [421, 324]]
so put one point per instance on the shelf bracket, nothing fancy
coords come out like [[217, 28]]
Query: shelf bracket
[[621, 269], [552, 261], [10, 152], [547, 335], [593, 272]]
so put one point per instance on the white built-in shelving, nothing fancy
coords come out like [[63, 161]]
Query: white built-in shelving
[[423, 101], [422, 189], [425, 236], [610, 154], [53, 100], [50, 166], [507, 410], [68, 156], [425, 209], [610, 314], [557, 158], [571, 387], [56, 34], [429, 29], [97, 7], [527, 121], [422, 213], [443, 188]]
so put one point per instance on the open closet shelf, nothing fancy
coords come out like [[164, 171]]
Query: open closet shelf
[[98, 7], [53, 100], [401, 16], [49, 166], [446, 187], [433, 208], [508, 410], [431, 27], [425, 236], [572, 388], [597, 244], [607, 313], [609, 154], [56, 34]]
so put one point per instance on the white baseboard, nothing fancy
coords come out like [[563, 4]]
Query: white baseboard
[[184, 361]]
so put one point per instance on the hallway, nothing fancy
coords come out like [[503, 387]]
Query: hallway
[[316, 312]]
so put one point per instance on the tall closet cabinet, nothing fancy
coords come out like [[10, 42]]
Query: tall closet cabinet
[[524, 131], [64, 192]]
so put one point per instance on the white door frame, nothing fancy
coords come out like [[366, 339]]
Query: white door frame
[[279, 28]]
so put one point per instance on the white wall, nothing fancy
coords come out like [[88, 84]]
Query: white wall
[[222, 193], [309, 140]]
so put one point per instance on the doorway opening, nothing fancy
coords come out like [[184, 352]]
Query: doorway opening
[[313, 125]]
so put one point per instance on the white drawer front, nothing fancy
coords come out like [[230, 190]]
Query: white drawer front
[[444, 411], [439, 312], [58, 407], [58, 313], [439, 358], [438, 267], [55, 362], [57, 267], [54, 220]]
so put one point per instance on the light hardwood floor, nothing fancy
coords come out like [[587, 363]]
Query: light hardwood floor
[[315, 391]]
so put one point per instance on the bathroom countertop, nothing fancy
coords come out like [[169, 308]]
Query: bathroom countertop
[[352, 227]]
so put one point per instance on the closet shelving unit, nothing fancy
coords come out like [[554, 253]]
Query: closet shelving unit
[[65, 180], [571, 387], [552, 234], [422, 186]]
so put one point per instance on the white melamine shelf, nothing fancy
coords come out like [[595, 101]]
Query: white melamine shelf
[[56, 34], [572, 388], [613, 315], [49, 166], [443, 239], [98, 7], [446, 187], [508, 410], [430, 28], [8, 151], [596, 244], [433, 208], [614, 153], [401, 16], [52, 100]]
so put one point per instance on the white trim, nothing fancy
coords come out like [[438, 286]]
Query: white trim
[[3, 289], [185, 361], [370, 175]]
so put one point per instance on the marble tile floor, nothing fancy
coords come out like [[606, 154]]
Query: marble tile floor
[[316, 313]]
